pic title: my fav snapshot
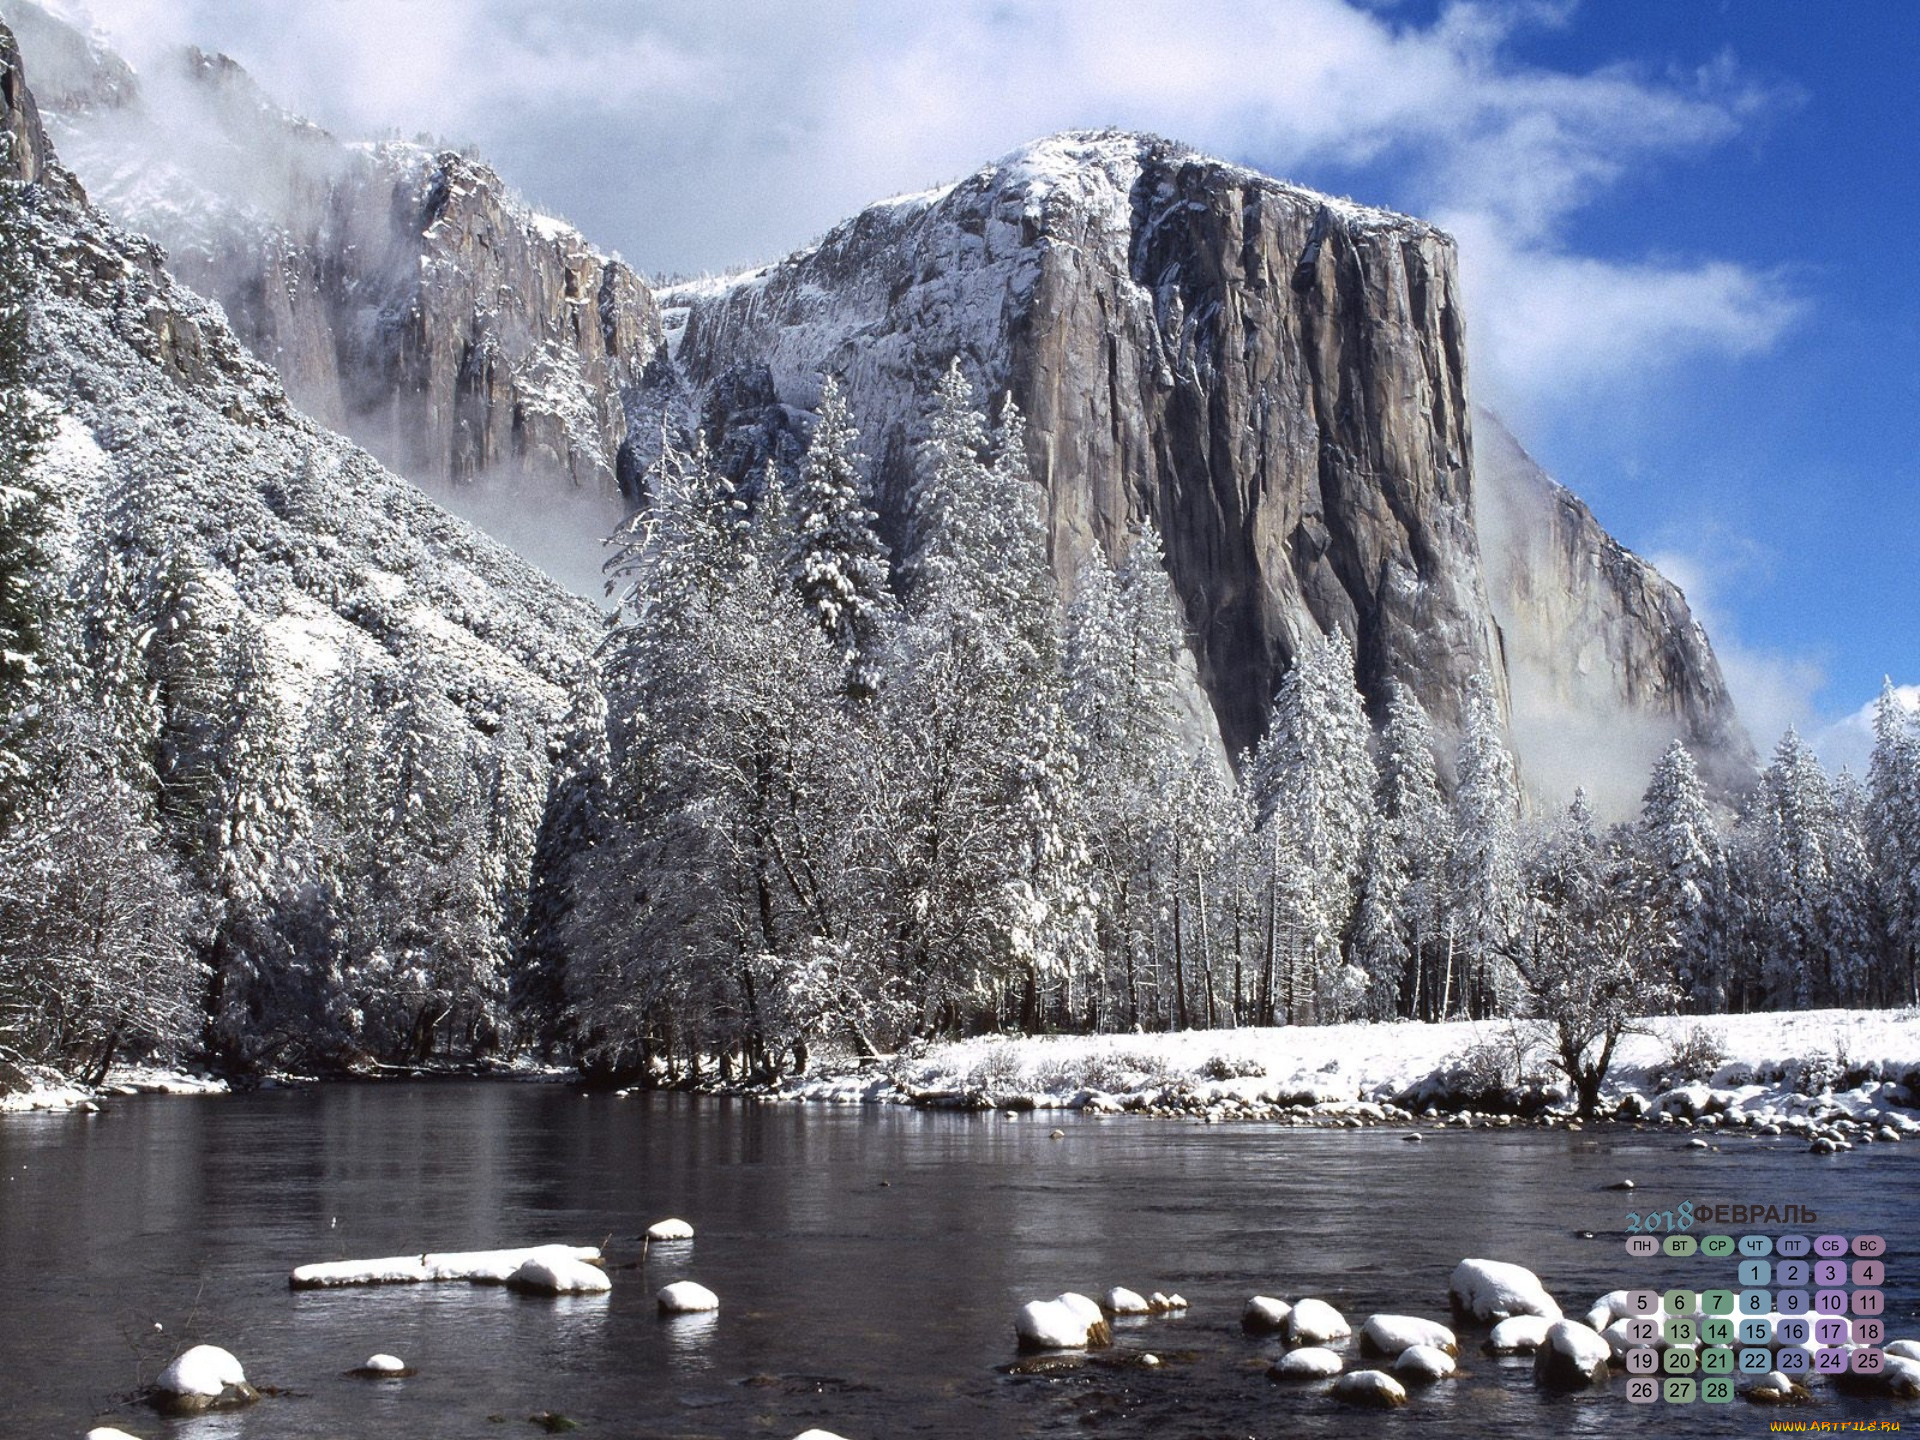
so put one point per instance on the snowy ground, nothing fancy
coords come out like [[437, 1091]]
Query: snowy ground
[[51, 1092], [1802, 1072]]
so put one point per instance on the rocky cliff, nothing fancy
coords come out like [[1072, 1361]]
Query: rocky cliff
[[1304, 447], [1604, 655], [404, 295]]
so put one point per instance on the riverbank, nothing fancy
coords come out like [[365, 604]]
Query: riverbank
[[1843, 1074], [49, 1091]]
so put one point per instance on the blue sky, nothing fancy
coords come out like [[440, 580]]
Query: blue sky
[[1684, 225]]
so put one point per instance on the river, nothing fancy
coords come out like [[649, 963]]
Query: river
[[869, 1262]]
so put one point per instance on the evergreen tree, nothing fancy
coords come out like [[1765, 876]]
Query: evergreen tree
[[1893, 841], [1414, 841], [1485, 868], [837, 563], [1685, 868]]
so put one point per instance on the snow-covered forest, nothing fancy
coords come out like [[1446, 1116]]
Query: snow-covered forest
[[817, 792]]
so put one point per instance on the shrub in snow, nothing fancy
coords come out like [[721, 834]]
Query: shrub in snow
[[1493, 1290], [1388, 1335], [1122, 1301], [203, 1378], [1572, 1357], [1315, 1322], [1424, 1362], [670, 1230], [684, 1297], [1264, 1315], [559, 1274], [1309, 1362], [1373, 1389], [1518, 1335]]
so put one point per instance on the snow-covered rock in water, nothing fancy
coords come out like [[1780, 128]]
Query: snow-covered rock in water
[[480, 1267], [670, 1230], [1518, 1335], [1088, 1309], [1309, 1362], [1315, 1322], [685, 1297], [1388, 1335], [1051, 1325], [1265, 1315], [107, 1432], [1374, 1389], [1774, 1388], [1608, 1308], [383, 1367], [1905, 1349], [1494, 1289], [818, 1435], [559, 1274], [1572, 1357], [1424, 1362], [1620, 1339], [1122, 1301], [1898, 1377], [203, 1378]]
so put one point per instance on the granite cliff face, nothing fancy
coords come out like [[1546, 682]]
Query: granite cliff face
[[1603, 653], [404, 295], [1305, 450]]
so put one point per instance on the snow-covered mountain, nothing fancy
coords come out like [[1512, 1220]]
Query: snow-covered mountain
[[405, 296], [230, 557], [1277, 379]]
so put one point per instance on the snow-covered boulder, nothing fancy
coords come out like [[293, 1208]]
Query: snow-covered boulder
[[383, 1367], [1905, 1349], [107, 1432], [1372, 1389], [670, 1230], [1774, 1388], [1122, 1301], [1518, 1335], [480, 1267], [1309, 1362], [1088, 1309], [1388, 1335], [818, 1435], [1572, 1357], [1899, 1377], [1608, 1308], [559, 1274], [203, 1378], [1619, 1338], [684, 1297], [1265, 1315], [1424, 1362], [1494, 1289], [1050, 1325], [1315, 1322]]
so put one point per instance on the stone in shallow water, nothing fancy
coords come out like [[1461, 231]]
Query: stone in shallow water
[[1373, 1389], [685, 1297], [202, 1378], [1424, 1362], [1390, 1335], [1315, 1322], [1518, 1335], [1494, 1289], [556, 1274], [1572, 1357], [1310, 1362], [670, 1230], [1264, 1315]]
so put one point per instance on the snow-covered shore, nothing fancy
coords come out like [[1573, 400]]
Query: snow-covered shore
[[1803, 1072], [51, 1092]]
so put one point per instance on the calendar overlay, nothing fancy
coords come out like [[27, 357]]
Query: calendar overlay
[[1803, 1304]]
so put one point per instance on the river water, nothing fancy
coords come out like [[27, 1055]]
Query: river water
[[869, 1262]]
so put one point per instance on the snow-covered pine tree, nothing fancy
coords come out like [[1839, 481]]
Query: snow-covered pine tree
[[1796, 817], [1417, 832], [1893, 841], [1485, 870], [1854, 923], [1685, 866], [837, 562], [1313, 782]]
